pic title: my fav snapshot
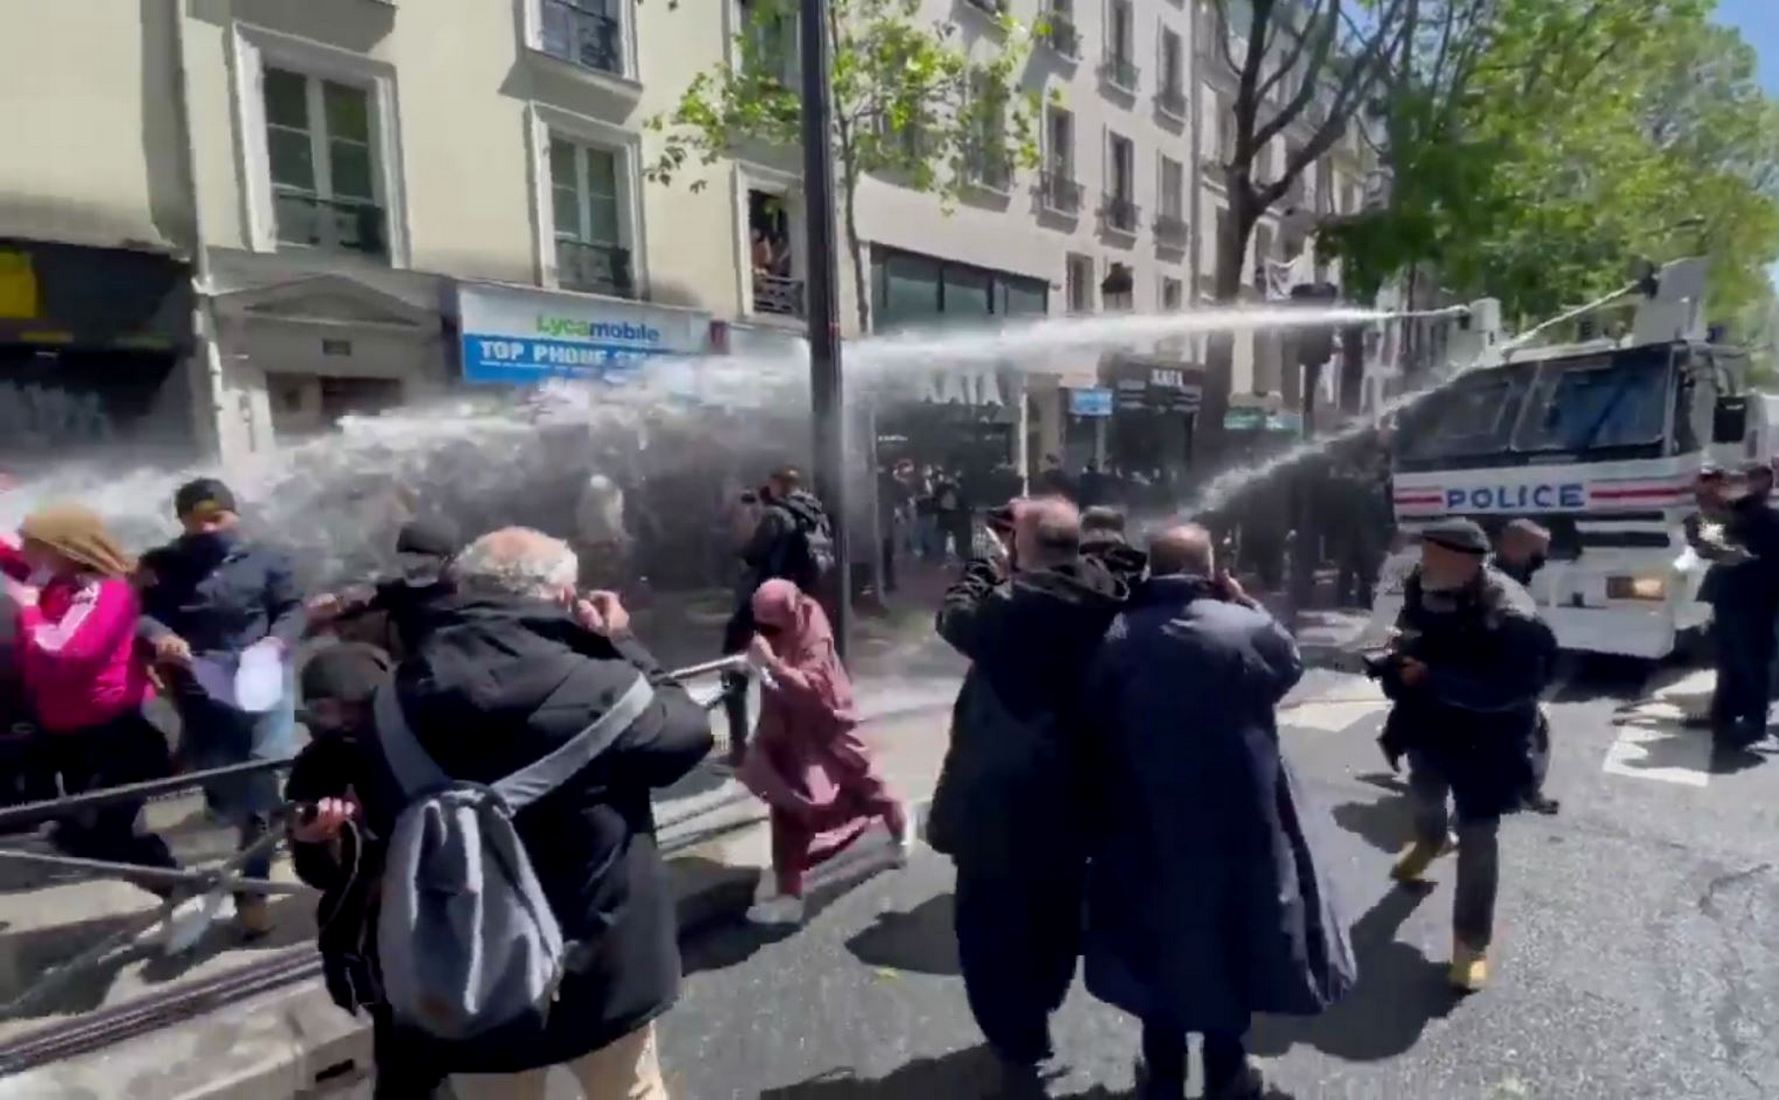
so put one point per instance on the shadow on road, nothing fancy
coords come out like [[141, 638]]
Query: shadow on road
[[1385, 824], [970, 1072], [921, 940], [1399, 992]]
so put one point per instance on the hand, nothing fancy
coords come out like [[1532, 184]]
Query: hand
[[324, 608], [330, 816], [611, 610], [1233, 590], [171, 649], [20, 593], [759, 652], [1410, 671]]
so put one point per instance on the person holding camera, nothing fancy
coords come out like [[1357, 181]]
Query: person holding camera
[[1465, 671], [1009, 808]]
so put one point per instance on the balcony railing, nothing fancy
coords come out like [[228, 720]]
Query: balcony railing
[[1060, 192], [596, 268], [1171, 101], [1062, 34], [992, 7], [583, 36], [1170, 230], [1119, 213], [778, 295], [350, 225], [1119, 70]]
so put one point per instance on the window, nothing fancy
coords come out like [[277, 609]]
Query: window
[[1170, 219], [1060, 191], [1060, 31], [770, 31], [1120, 206], [1079, 282], [1171, 96], [1225, 130], [1120, 69], [1173, 295], [911, 289], [322, 160], [985, 150], [586, 201], [588, 33]]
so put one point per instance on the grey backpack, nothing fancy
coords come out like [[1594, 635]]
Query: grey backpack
[[466, 938]]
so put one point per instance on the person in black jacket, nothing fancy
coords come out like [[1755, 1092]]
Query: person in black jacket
[[515, 666], [1009, 808], [423, 551], [209, 596], [791, 541], [1469, 661]]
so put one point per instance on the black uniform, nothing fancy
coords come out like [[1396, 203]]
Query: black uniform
[[1742, 587]]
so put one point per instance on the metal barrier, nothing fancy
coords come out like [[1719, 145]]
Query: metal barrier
[[204, 885]]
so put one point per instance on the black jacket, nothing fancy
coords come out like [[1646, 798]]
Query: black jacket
[[1010, 792], [494, 686], [221, 593], [779, 547], [1488, 656]]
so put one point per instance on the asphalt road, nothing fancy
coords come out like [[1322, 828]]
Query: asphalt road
[[1637, 953]]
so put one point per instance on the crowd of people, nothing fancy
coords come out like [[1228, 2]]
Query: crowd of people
[[1113, 796]]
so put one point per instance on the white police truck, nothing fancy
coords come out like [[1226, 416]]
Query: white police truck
[[1599, 441]]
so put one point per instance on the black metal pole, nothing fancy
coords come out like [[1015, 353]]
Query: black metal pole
[[826, 403]]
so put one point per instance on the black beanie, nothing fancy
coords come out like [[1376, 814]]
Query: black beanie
[[350, 672], [206, 494]]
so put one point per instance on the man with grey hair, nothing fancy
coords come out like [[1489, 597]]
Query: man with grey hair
[[514, 666], [1204, 902], [1009, 809]]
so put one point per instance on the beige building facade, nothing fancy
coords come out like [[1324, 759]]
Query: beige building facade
[[336, 206]]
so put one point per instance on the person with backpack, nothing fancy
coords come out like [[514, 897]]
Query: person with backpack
[[521, 738], [794, 541]]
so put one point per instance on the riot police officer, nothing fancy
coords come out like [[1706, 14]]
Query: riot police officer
[[1468, 663], [1737, 531]]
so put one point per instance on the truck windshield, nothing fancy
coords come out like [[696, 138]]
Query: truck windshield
[[1473, 416], [1617, 400]]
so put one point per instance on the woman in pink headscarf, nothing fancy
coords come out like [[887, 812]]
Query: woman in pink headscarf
[[805, 760]]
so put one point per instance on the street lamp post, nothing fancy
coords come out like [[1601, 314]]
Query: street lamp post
[[826, 403]]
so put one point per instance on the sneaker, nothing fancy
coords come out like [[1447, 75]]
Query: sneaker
[[253, 916], [1411, 866], [777, 912], [1470, 968]]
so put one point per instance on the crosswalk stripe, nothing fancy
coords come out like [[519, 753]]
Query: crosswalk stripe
[[1653, 739]]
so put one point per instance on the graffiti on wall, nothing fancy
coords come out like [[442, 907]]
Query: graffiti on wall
[[38, 417]]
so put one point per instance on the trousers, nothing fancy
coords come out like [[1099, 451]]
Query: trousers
[[128, 749], [624, 1069], [1743, 639], [1479, 858], [1018, 936], [1164, 1057]]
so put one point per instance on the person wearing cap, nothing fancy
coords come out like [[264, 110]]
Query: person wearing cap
[[423, 552], [209, 596], [1470, 659], [68, 583]]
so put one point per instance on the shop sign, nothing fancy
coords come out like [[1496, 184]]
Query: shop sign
[[1094, 402], [980, 388], [511, 335]]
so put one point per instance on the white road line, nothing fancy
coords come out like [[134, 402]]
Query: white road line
[[1332, 716], [1654, 741]]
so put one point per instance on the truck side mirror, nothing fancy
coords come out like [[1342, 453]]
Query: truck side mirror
[[1729, 420]]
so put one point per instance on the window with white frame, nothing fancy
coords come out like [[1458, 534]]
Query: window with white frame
[[769, 30], [1173, 188], [586, 194], [322, 160], [1171, 95], [1061, 191], [1079, 284], [1120, 65], [1120, 207], [587, 33], [1173, 295]]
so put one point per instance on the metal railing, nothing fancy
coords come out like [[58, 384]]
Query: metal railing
[[596, 268], [1119, 213], [584, 36], [351, 225], [1060, 192], [778, 294], [1170, 230], [1062, 34], [1119, 70]]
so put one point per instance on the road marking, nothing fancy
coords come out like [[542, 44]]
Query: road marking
[[1654, 741]]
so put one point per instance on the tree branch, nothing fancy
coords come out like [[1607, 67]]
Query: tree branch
[[1289, 62]]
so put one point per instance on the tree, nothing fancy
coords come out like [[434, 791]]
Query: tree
[[1306, 67], [912, 102], [1588, 134]]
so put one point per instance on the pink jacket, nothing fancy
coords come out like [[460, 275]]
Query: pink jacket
[[76, 648]]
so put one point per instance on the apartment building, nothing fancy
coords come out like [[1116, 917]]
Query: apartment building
[[237, 220]]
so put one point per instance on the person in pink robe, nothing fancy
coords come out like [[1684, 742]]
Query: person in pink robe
[[806, 760]]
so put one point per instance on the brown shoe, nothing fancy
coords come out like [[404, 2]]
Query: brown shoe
[[253, 916], [1470, 968]]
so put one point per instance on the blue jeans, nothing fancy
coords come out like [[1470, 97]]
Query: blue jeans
[[213, 736]]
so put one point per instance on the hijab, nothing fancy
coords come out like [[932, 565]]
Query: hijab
[[799, 632], [78, 534]]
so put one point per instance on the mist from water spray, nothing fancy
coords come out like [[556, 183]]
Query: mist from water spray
[[491, 457]]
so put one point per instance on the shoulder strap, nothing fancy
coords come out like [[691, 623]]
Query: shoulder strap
[[533, 781], [414, 770]]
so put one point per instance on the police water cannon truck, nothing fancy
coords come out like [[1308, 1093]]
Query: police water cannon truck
[[1599, 440]]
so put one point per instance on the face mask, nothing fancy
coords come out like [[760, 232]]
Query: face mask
[[1535, 563]]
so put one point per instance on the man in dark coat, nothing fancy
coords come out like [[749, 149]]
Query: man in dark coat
[[1009, 808], [514, 667], [1468, 664], [1737, 531], [1204, 901], [1520, 553], [210, 595], [423, 551]]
